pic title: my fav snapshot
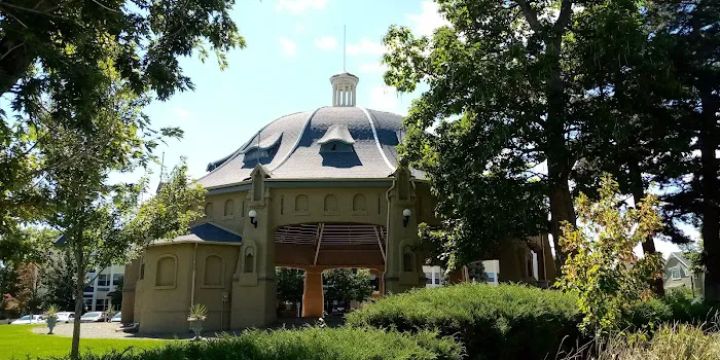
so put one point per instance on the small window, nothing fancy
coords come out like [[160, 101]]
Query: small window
[[166, 272], [301, 204], [249, 261], [408, 260], [675, 273], [229, 208], [331, 204], [208, 210], [359, 204], [336, 146]]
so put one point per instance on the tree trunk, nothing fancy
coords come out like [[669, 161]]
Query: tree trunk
[[559, 160], [79, 286], [637, 187], [709, 183]]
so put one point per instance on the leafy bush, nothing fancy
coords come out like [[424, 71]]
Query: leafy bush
[[493, 322], [686, 308], [309, 343]]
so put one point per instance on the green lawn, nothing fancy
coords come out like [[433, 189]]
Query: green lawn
[[19, 342]]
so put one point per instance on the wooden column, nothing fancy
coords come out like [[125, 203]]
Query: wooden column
[[313, 300]]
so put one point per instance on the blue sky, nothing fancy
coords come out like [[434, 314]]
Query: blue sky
[[293, 47]]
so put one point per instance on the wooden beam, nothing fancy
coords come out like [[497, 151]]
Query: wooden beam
[[380, 245], [319, 241]]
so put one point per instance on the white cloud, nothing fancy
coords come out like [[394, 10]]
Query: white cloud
[[366, 47], [384, 98], [373, 68], [297, 7], [287, 47], [428, 19], [326, 43]]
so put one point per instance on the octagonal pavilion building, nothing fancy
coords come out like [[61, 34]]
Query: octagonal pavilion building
[[312, 190]]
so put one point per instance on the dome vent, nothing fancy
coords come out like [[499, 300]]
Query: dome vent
[[339, 133], [261, 151]]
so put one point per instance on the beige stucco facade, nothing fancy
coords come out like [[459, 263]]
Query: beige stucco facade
[[327, 191]]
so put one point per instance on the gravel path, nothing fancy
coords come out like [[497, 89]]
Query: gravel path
[[94, 330]]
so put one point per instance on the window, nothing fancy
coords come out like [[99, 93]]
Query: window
[[117, 279], [331, 204], [408, 260], [428, 278], [213, 271], [103, 280], [359, 204], [208, 210], [229, 208], [166, 271], [675, 273], [490, 277], [100, 305], [301, 204], [142, 271], [249, 261]]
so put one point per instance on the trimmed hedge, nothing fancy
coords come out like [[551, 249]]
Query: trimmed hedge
[[493, 322], [310, 343]]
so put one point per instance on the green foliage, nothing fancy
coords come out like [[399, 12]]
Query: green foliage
[[492, 322], [60, 61], [289, 284], [601, 269], [59, 280], [198, 312], [305, 344], [345, 285]]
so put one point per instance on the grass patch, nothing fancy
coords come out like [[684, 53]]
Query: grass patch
[[19, 342]]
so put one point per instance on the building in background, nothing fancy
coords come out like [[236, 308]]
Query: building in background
[[101, 283], [678, 274]]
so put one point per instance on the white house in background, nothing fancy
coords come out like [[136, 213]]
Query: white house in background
[[101, 283], [678, 274], [435, 275]]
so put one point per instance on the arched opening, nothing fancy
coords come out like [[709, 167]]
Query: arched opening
[[166, 271], [331, 204], [229, 209], [209, 210], [301, 204], [249, 261], [359, 204], [408, 260]]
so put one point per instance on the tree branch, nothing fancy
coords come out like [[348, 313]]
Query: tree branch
[[565, 15], [530, 15]]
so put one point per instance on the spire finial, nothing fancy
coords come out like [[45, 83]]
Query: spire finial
[[344, 46]]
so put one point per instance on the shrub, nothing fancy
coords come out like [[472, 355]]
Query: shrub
[[687, 308], [493, 322], [308, 343]]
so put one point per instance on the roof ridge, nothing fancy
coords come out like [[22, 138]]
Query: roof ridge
[[377, 140]]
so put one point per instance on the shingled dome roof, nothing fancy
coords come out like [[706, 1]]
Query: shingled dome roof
[[343, 141]]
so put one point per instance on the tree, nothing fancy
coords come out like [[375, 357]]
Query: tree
[[68, 54], [692, 33], [60, 281], [345, 285], [601, 269], [503, 72], [289, 285]]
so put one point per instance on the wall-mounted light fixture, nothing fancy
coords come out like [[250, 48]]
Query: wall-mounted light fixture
[[406, 216], [252, 214]]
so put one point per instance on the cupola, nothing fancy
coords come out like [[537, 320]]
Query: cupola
[[344, 89]]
